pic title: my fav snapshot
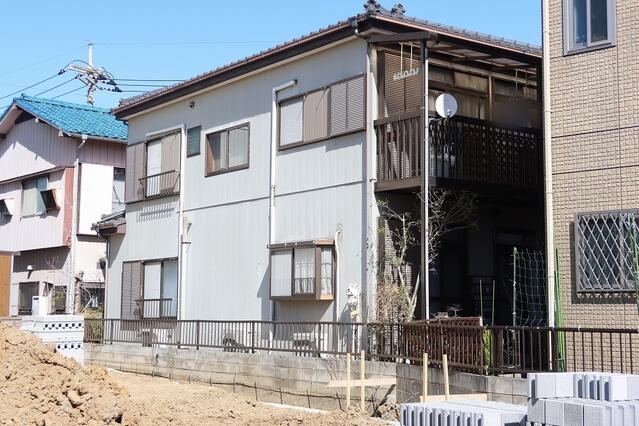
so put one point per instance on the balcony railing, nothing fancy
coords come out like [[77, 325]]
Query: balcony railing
[[161, 185], [156, 308], [462, 149]]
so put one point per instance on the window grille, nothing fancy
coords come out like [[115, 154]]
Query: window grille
[[607, 251]]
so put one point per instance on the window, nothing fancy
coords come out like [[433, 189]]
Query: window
[[117, 201], [327, 112], [588, 24], [227, 150], [159, 292], [32, 201], [162, 166], [607, 251], [193, 141], [302, 270], [6, 207]]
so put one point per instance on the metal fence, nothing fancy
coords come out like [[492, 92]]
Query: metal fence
[[472, 348]]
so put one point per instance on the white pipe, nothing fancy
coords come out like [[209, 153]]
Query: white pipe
[[550, 235], [181, 286], [336, 288], [272, 176]]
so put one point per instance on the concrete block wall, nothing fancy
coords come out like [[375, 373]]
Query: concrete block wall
[[287, 379], [501, 389]]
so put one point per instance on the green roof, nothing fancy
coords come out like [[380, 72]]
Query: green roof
[[73, 118]]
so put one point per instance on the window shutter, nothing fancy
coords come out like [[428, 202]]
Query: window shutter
[[348, 106], [131, 285], [135, 158], [171, 152], [291, 119], [393, 89], [338, 108], [355, 104], [316, 115]]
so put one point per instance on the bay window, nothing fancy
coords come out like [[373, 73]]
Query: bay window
[[303, 270]]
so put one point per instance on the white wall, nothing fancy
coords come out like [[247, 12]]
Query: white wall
[[318, 188], [95, 195]]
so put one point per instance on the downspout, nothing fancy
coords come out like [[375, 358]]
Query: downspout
[[181, 288], [548, 184], [425, 174], [74, 225], [272, 176], [336, 287]]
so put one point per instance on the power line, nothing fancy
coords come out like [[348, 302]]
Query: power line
[[179, 43], [29, 87], [147, 79], [141, 85], [69, 92], [55, 87], [41, 61]]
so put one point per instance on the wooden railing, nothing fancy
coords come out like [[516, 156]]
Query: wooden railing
[[462, 149]]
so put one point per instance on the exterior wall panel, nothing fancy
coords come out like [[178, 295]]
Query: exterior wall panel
[[595, 104]]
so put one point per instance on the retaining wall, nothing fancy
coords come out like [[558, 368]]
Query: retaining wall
[[287, 379]]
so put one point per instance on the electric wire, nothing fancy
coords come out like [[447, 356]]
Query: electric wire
[[55, 87], [69, 92], [41, 61], [146, 79], [29, 87]]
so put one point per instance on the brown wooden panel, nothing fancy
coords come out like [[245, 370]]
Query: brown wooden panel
[[5, 279]]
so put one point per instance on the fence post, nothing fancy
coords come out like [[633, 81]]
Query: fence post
[[197, 334], [252, 337], [111, 333]]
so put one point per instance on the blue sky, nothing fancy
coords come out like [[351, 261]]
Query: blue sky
[[143, 39]]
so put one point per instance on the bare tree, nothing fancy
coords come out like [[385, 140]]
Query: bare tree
[[448, 211]]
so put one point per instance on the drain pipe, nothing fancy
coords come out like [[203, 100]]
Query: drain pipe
[[271, 209], [336, 288], [548, 186]]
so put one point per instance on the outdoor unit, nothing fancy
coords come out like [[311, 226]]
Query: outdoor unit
[[39, 306]]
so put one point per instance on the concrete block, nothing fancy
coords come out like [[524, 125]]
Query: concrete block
[[597, 415], [536, 410], [633, 387], [302, 374]]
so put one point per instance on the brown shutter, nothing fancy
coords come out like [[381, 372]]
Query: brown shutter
[[135, 159], [171, 152], [355, 104], [131, 290], [338, 108], [393, 89], [316, 115]]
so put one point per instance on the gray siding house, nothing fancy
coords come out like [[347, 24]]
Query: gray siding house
[[252, 191]]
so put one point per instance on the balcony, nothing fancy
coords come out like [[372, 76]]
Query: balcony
[[157, 308], [161, 185], [462, 151]]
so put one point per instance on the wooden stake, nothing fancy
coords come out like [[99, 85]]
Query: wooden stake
[[348, 380], [425, 378], [362, 376], [445, 366]]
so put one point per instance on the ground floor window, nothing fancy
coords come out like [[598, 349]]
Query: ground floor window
[[149, 289], [303, 270], [26, 293]]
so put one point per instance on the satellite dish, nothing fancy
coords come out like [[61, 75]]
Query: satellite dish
[[446, 105]]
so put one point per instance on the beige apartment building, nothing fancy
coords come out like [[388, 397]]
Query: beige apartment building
[[594, 62]]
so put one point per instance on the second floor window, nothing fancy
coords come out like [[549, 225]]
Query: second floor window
[[32, 200], [588, 24], [227, 150]]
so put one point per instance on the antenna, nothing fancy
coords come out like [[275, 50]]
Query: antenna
[[446, 105], [94, 78]]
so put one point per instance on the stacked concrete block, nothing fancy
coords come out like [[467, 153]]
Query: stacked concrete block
[[65, 332], [579, 399], [467, 413]]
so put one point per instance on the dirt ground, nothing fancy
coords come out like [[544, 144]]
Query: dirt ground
[[38, 386]]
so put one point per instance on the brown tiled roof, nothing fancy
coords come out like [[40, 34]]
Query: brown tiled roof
[[451, 31]]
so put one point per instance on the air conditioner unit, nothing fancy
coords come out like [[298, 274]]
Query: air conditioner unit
[[39, 306]]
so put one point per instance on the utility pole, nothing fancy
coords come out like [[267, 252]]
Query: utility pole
[[94, 78]]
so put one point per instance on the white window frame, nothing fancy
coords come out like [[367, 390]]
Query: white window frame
[[568, 25]]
